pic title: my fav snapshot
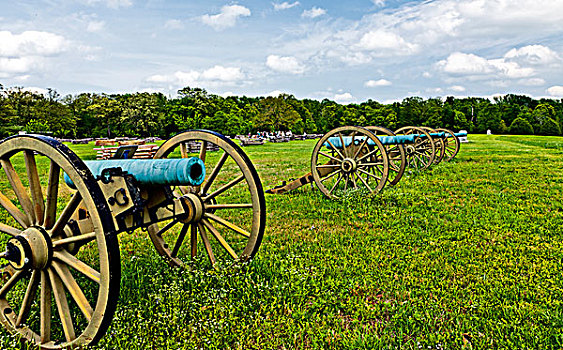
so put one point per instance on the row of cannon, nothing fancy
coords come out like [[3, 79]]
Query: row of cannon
[[364, 160], [60, 216]]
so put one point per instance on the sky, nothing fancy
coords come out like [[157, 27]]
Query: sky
[[347, 51]]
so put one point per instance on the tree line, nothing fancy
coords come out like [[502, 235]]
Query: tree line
[[154, 114]]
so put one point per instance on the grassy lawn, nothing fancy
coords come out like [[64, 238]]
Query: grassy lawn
[[469, 253]]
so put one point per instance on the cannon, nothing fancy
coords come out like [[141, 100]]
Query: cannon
[[357, 159], [60, 218]]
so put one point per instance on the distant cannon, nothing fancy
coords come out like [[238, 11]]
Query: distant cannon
[[353, 158], [60, 217]]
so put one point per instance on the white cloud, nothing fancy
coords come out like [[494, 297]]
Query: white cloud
[[313, 13], [24, 53], [226, 18], [386, 42], [211, 77], [286, 64], [465, 64], [220, 73], [379, 3], [459, 63], [31, 43], [457, 88], [556, 91], [114, 4], [532, 82], [285, 5], [95, 26], [344, 97], [376, 83], [533, 54], [174, 24], [16, 66]]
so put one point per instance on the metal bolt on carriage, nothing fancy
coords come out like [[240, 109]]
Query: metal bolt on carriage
[[60, 218]]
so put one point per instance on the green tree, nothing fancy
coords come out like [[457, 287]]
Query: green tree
[[276, 114], [521, 126], [549, 127]]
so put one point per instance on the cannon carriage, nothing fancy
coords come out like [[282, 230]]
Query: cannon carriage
[[357, 159], [60, 218]]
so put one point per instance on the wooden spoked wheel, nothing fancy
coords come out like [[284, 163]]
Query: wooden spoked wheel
[[420, 154], [61, 279], [347, 159], [396, 154], [440, 145], [233, 216], [451, 144]]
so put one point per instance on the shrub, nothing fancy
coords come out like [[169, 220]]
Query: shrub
[[521, 126], [550, 127]]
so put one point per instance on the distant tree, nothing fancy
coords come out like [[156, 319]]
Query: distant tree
[[521, 126], [549, 127], [276, 114]]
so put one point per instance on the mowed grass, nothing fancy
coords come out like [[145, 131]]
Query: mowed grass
[[467, 254]]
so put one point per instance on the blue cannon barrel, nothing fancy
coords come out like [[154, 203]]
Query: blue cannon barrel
[[386, 140], [460, 134], [163, 172]]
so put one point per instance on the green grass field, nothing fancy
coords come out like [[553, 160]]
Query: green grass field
[[467, 254]]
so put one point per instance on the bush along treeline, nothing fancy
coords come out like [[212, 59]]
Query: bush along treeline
[[153, 114]]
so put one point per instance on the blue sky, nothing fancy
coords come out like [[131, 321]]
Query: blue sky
[[348, 51]]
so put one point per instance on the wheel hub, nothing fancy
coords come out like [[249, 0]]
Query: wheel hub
[[410, 150], [349, 165], [31, 249], [193, 207]]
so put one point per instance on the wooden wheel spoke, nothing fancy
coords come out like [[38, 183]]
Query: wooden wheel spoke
[[45, 308], [367, 155], [28, 297], [336, 149], [35, 186], [77, 264], [227, 224], [370, 164], [361, 147], [62, 305], [203, 150], [66, 214], [74, 289], [344, 148], [353, 177], [345, 182], [228, 206], [328, 166], [52, 195], [331, 175], [83, 239], [193, 240], [183, 150], [365, 183], [14, 211], [180, 240], [206, 243], [215, 172], [166, 227], [336, 183], [224, 188], [330, 157], [12, 231], [369, 174], [220, 239], [18, 189], [18, 275]]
